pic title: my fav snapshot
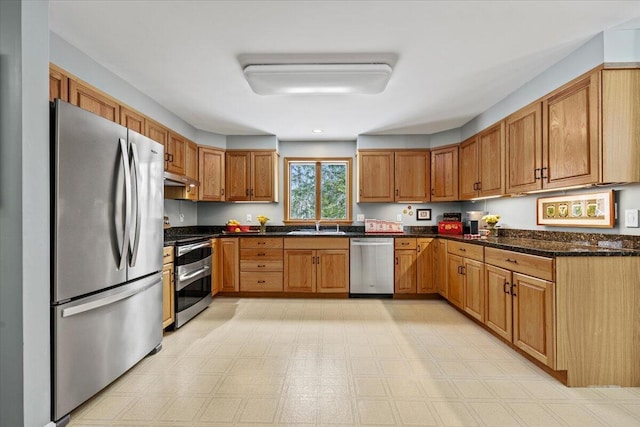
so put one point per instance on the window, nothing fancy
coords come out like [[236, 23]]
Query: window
[[317, 189]]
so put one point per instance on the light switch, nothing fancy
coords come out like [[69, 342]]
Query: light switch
[[631, 218], [248, 217], [360, 218], [399, 217]]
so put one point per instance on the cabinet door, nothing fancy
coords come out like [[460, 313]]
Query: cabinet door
[[238, 175], [132, 120], [455, 280], [176, 150], [468, 167], [405, 271], [90, 99], [263, 175], [571, 141], [375, 176], [191, 159], [425, 278], [211, 174], [167, 295], [474, 288], [498, 307], [216, 277], [523, 149], [332, 270], [230, 264], [444, 174], [533, 317], [300, 270], [58, 84], [440, 267], [412, 176], [491, 161]]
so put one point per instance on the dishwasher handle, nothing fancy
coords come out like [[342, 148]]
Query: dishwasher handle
[[360, 243]]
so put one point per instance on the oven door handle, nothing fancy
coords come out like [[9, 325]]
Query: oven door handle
[[188, 248], [192, 275]]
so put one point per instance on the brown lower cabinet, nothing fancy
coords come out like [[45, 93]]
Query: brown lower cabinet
[[465, 277], [261, 264], [316, 264], [168, 287], [229, 265]]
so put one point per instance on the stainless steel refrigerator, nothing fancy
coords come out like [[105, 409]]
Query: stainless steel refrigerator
[[107, 238]]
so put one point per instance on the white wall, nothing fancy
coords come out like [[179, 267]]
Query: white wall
[[622, 46], [25, 398], [252, 142], [392, 141], [181, 213]]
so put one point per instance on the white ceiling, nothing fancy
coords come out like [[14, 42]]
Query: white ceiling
[[452, 59]]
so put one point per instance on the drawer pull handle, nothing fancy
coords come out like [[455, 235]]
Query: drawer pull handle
[[396, 260], [462, 249], [515, 261], [261, 281], [513, 285], [505, 286], [262, 254], [404, 243], [262, 243], [261, 265]]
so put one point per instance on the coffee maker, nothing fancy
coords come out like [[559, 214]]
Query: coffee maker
[[474, 221]]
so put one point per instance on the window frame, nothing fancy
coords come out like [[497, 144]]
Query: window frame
[[318, 161]]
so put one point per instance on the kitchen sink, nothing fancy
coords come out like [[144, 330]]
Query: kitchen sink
[[316, 233]]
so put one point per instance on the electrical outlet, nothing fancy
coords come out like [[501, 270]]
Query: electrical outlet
[[249, 218], [631, 218], [399, 217], [181, 217], [360, 218]]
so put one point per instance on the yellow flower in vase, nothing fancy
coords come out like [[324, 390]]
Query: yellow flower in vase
[[491, 221], [263, 223]]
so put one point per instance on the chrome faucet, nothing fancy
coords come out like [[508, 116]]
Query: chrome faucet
[[318, 225]]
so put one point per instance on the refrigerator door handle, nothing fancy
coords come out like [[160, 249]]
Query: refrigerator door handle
[[127, 202], [111, 299], [136, 169]]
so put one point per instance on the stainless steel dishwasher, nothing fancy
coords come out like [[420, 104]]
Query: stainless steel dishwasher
[[371, 267]]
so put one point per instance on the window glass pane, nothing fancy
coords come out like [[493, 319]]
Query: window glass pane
[[334, 190], [302, 190]]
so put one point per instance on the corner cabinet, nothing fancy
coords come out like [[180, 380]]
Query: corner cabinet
[[393, 176], [444, 174], [211, 174], [316, 265], [251, 176]]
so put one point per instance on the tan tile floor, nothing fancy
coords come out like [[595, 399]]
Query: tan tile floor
[[263, 362]]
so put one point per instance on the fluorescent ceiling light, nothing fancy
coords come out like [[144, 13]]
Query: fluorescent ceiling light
[[286, 79], [317, 131]]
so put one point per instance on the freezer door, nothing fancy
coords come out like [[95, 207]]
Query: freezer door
[[98, 338], [147, 233], [89, 202]]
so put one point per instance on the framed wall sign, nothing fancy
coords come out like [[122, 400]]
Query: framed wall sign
[[580, 210], [423, 214]]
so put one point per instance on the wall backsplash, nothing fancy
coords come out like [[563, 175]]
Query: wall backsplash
[[189, 210]]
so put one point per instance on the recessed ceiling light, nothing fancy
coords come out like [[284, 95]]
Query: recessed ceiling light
[[290, 79], [317, 131]]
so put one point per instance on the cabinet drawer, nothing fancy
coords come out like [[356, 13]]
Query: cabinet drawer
[[260, 254], [261, 265], [316, 243], [466, 250], [167, 254], [260, 242], [405, 243], [261, 282], [532, 265]]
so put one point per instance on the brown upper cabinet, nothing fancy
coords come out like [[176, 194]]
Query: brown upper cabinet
[[90, 99], [158, 133], [444, 174], [58, 84], [211, 174], [393, 176], [570, 137], [251, 176], [175, 151], [191, 159], [482, 164], [620, 125], [132, 119], [523, 149]]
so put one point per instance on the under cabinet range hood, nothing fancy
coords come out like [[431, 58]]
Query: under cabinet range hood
[[175, 180]]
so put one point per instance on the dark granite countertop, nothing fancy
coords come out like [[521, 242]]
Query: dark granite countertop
[[571, 244]]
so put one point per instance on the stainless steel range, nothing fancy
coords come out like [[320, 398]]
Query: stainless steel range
[[193, 271]]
